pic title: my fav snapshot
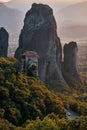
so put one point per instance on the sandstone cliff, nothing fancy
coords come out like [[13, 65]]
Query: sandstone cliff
[[4, 36], [39, 34], [70, 60]]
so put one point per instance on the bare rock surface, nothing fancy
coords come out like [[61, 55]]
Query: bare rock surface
[[70, 60], [39, 34], [4, 37]]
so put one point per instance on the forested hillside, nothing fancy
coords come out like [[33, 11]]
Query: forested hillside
[[25, 103]]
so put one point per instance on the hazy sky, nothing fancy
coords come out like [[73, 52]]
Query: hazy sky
[[26, 4], [50, 1], [4, 0]]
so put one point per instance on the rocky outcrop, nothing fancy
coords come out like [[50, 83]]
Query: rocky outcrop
[[39, 34], [70, 60], [4, 36]]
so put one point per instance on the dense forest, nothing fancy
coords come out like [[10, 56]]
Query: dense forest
[[26, 103]]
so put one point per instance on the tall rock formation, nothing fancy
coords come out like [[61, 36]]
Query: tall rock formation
[[39, 34], [4, 36], [70, 60]]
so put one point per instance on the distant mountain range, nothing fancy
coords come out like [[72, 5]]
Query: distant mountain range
[[73, 20], [76, 14], [11, 19], [19, 4]]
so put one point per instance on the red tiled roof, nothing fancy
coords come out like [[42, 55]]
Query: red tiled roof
[[30, 54]]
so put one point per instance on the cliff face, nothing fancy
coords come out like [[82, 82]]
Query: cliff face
[[70, 60], [4, 36], [39, 34]]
